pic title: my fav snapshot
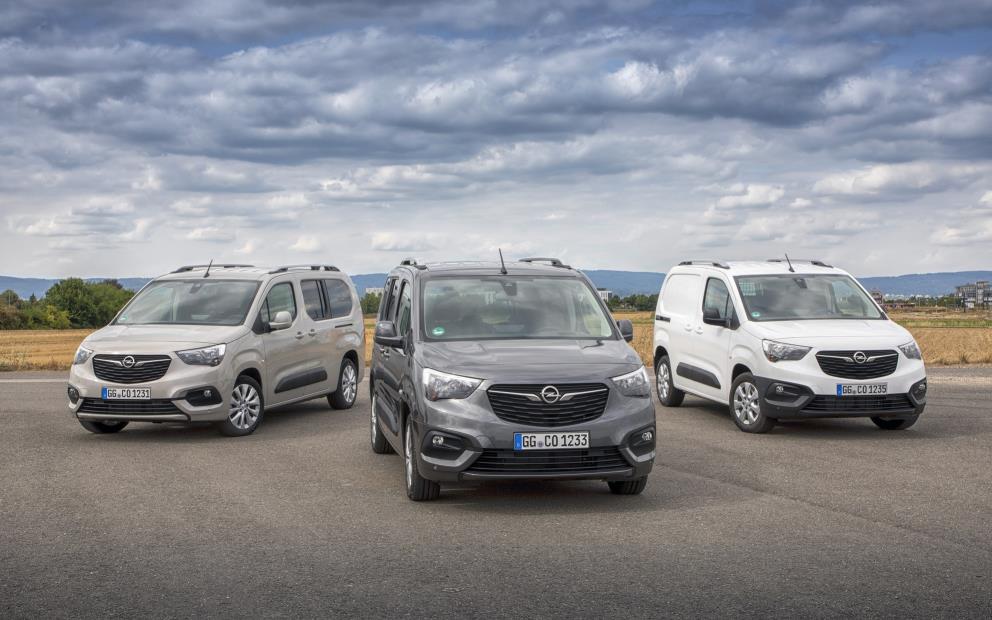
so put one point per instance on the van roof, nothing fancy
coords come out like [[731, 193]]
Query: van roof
[[765, 267], [491, 268], [244, 272]]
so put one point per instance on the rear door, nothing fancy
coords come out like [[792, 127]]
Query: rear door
[[320, 338], [680, 296], [346, 329]]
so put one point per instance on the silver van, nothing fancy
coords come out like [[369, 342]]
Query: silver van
[[222, 344]]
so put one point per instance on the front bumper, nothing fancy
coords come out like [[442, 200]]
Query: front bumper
[[784, 400], [484, 443], [176, 397]]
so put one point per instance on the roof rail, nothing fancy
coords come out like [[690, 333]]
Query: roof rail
[[709, 263], [186, 268], [818, 263], [554, 262], [412, 262], [286, 268]]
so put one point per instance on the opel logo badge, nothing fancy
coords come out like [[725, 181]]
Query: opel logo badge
[[550, 394], [128, 361], [860, 357]]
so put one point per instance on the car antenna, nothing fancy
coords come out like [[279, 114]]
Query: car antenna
[[502, 265], [791, 270], [207, 272]]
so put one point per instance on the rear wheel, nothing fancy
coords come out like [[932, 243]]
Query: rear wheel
[[668, 394], [895, 424], [104, 427], [245, 408], [628, 487], [418, 489], [344, 396], [379, 443], [745, 406]]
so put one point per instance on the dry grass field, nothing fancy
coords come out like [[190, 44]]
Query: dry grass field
[[945, 338]]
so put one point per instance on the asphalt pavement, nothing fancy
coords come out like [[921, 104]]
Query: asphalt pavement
[[815, 519]]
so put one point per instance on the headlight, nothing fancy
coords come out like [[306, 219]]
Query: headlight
[[438, 385], [207, 356], [911, 350], [635, 383], [781, 352], [82, 354]]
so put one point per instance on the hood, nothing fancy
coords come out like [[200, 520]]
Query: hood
[[531, 360], [160, 338], [832, 332]]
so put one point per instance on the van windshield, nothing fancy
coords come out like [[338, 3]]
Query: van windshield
[[804, 297], [190, 302], [511, 307]]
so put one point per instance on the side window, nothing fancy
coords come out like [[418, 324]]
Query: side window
[[403, 316], [280, 297], [338, 298], [388, 306], [716, 300], [313, 300], [680, 294], [387, 292]]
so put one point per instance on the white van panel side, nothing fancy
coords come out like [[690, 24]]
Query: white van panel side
[[679, 294]]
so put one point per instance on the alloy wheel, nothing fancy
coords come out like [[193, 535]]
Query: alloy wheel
[[245, 406], [663, 379], [746, 406], [349, 383], [408, 457], [375, 422]]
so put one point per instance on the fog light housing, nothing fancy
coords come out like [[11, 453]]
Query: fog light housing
[[642, 441], [443, 445], [918, 392], [203, 397], [647, 436], [73, 395]]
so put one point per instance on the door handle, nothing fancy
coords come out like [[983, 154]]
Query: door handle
[[688, 327], [699, 329], [313, 332], [299, 335], [385, 352]]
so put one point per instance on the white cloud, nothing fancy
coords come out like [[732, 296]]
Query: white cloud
[[753, 195], [306, 243], [911, 178], [211, 233]]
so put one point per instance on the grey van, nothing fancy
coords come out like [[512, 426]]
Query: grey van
[[486, 371]]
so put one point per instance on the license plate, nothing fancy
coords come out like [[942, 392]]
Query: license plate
[[550, 441], [135, 393], [862, 389]]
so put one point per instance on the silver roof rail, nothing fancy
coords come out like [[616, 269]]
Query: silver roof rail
[[286, 268], [708, 263], [186, 268], [554, 262], [818, 263]]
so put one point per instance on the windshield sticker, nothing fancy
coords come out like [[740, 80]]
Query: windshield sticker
[[438, 331], [755, 314]]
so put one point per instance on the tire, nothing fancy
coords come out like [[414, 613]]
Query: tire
[[628, 487], [745, 406], [379, 443], [344, 397], [668, 394], [418, 489], [895, 424], [246, 408], [103, 428]]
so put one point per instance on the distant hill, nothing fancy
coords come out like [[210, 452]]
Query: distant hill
[[620, 282]]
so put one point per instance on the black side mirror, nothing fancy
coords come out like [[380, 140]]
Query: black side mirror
[[711, 316], [626, 329], [385, 334]]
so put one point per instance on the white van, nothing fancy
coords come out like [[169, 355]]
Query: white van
[[783, 340]]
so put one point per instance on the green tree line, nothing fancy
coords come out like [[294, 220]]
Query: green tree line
[[69, 303], [637, 302]]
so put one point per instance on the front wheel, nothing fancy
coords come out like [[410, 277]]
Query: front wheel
[[668, 394], [344, 396], [379, 443], [628, 487], [418, 489], [745, 405], [896, 424], [105, 427], [245, 408]]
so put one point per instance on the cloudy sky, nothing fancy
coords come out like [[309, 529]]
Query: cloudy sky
[[620, 134]]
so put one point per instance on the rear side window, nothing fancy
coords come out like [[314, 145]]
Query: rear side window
[[312, 299], [387, 309], [680, 293], [716, 300], [338, 298], [280, 298]]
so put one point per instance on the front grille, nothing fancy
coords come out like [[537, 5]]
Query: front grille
[[126, 407], [146, 368], [522, 404], [843, 364], [880, 403], [549, 461]]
